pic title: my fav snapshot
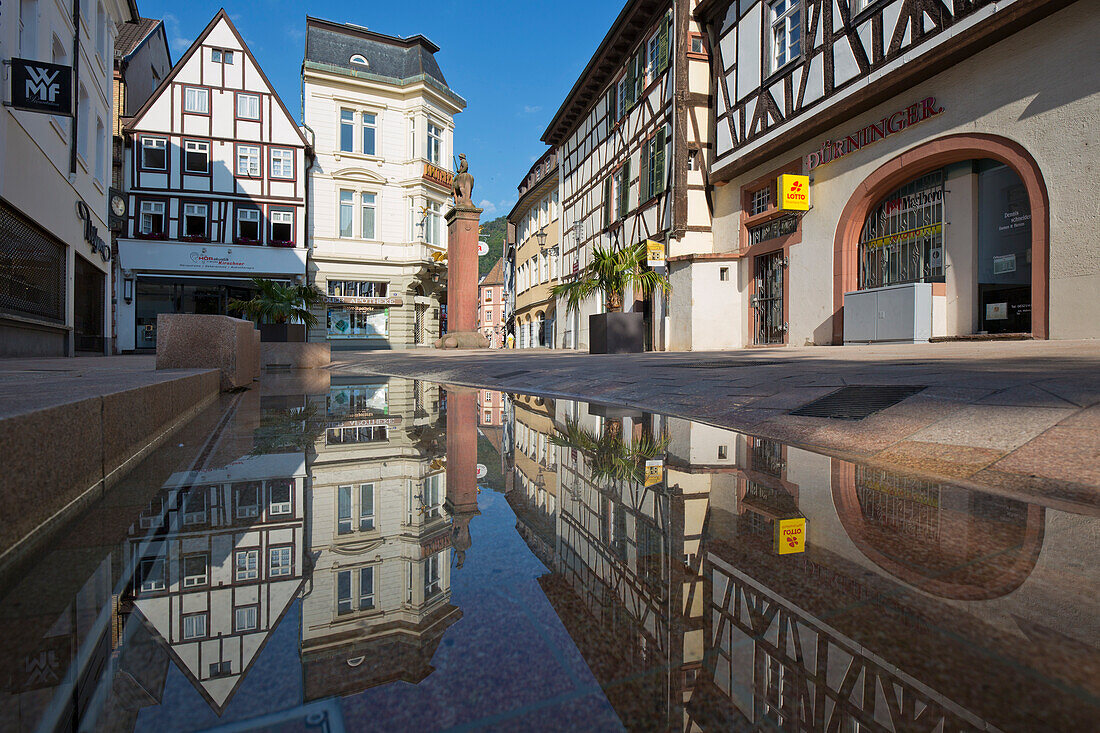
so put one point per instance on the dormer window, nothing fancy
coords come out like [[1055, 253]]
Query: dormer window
[[360, 59]]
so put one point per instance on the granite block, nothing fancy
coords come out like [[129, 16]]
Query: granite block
[[186, 341], [295, 355]]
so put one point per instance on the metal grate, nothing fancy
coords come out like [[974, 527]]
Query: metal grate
[[857, 402], [32, 269]]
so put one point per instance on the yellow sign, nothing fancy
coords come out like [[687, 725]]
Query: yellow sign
[[794, 192], [655, 253], [654, 473], [790, 536], [927, 231]]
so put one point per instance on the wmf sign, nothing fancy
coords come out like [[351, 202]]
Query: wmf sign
[[40, 87]]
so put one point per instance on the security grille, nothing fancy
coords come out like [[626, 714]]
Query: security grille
[[767, 302], [902, 239], [767, 457], [418, 324], [857, 402], [32, 269], [909, 506]]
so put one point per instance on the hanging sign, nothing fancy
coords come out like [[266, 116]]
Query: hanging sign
[[794, 192], [482, 248], [654, 473], [482, 471], [790, 536], [40, 87], [655, 253]]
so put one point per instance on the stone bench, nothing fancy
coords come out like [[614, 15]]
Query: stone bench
[[231, 345]]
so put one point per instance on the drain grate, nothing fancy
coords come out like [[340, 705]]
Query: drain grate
[[719, 364], [857, 402], [511, 374]]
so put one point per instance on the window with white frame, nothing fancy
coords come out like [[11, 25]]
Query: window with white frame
[[194, 506], [555, 206], [435, 143], [368, 206], [348, 597], [786, 32], [622, 190], [412, 137], [221, 56], [195, 570], [432, 496], [247, 565], [194, 626], [28, 29], [366, 507], [279, 491], [245, 618], [248, 106], [282, 163], [196, 100], [248, 225], [194, 220], [151, 218], [246, 500], [282, 226], [248, 160], [343, 510], [432, 576], [279, 563], [227, 57], [858, 6], [347, 131], [433, 224], [360, 59], [196, 156], [370, 124], [343, 592], [154, 153], [152, 575], [652, 58], [347, 207], [366, 588]]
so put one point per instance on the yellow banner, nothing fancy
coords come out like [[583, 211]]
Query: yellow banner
[[790, 536], [903, 236]]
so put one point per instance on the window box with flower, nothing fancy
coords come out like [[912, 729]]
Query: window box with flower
[[246, 240]]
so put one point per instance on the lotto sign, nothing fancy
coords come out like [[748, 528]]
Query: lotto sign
[[655, 253], [654, 472], [794, 192], [790, 536]]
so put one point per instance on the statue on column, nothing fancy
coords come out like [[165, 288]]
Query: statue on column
[[464, 184]]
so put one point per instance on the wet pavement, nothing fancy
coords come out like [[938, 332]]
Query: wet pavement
[[367, 553]]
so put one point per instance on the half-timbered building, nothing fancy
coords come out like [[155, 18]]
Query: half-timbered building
[[215, 187], [628, 138], [941, 143]]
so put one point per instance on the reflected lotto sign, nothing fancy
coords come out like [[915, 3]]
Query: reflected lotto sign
[[790, 536], [794, 193]]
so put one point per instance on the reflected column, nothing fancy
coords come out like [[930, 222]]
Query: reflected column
[[461, 501]]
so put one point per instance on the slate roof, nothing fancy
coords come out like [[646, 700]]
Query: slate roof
[[131, 35], [495, 275], [333, 44]]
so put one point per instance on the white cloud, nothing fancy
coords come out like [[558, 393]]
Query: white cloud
[[179, 42], [531, 109], [488, 206]]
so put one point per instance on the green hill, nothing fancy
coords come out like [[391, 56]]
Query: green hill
[[493, 233]]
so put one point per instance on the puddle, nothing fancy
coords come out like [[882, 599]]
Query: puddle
[[390, 555]]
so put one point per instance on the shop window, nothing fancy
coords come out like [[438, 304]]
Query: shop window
[[282, 227], [282, 163], [248, 106], [902, 239], [154, 154], [196, 100], [786, 33], [152, 219], [248, 226], [248, 160], [194, 221], [196, 157]]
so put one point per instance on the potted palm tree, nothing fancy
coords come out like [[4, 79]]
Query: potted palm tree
[[283, 312], [609, 273]]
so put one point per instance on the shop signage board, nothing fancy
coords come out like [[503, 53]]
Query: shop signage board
[[482, 248], [892, 124], [790, 536], [655, 253], [482, 471], [654, 473], [40, 87], [168, 256], [905, 236], [436, 544], [438, 175], [355, 300], [374, 422], [794, 192]]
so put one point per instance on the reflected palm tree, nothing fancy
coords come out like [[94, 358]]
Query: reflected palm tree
[[288, 431], [610, 457]]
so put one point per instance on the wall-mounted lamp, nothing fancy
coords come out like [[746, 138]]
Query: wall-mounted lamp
[[541, 236], [128, 286]]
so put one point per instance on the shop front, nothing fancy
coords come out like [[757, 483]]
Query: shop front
[[358, 313], [203, 279]]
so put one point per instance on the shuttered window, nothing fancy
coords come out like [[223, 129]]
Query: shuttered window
[[607, 202]]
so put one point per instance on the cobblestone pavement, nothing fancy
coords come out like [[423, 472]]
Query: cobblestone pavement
[[1019, 418]]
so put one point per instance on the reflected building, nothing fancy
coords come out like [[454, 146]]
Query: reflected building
[[379, 598]]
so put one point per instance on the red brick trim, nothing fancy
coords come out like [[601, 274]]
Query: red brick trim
[[928, 157]]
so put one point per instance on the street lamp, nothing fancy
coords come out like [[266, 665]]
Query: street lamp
[[541, 235]]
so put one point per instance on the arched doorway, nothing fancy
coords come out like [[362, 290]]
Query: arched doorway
[[1011, 178], [540, 329]]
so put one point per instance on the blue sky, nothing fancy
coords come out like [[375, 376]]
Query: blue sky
[[512, 60]]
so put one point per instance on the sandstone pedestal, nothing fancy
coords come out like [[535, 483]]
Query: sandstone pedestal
[[461, 467], [462, 232]]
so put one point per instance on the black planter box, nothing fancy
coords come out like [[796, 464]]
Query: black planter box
[[283, 333], [616, 333]]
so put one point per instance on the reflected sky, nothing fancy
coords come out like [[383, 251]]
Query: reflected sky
[[395, 555]]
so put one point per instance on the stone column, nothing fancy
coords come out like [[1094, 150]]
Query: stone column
[[461, 500], [462, 266]]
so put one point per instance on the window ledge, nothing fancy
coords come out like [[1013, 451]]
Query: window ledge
[[59, 129]]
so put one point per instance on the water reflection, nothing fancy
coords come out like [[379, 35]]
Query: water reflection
[[317, 556]]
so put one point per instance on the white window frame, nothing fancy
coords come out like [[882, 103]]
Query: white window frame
[[250, 215], [154, 143], [760, 200], [367, 514], [435, 143], [191, 97], [216, 55], [366, 600], [248, 114], [279, 562], [101, 31], [192, 629], [196, 146], [781, 13], [252, 567], [373, 127], [278, 216], [366, 205], [282, 163], [346, 121], [192, 210], [28, 29], [153, 586], [344, 522], [152, 208], [250, 617], [194, 581], [345, 203], [280, 507], [249, 155], [432, 224]]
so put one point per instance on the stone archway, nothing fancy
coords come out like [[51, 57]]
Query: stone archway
[[925, 158]]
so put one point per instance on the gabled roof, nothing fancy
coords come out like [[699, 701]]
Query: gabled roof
[[167, 81], [131, 36], [495, 275]]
